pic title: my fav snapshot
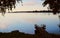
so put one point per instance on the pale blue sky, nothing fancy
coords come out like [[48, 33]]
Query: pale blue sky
[[30, 5], [25, 22]]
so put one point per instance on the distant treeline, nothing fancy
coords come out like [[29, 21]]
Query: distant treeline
[[44, 11]]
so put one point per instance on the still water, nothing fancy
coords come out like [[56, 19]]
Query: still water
[[24, 22]]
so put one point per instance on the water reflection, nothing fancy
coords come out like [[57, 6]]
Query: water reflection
[[24, 22], [59, 22]]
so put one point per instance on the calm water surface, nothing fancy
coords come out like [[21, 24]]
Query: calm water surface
[[24, 22]]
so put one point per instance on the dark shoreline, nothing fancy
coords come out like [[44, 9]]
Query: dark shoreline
[[40, 32], [33, 12]]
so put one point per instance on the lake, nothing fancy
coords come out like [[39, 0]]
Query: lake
[[24, 22]]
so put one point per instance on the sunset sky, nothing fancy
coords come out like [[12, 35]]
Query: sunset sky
[[29, 5], [25, 21]]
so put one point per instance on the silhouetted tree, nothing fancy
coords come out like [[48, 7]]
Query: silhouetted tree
[[40, 29], [7, 4], [54, 5]]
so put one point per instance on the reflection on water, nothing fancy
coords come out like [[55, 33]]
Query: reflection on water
[[24, 22]]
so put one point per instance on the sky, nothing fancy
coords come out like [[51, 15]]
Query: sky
[[25, 21], [29, 5], [10, 21]]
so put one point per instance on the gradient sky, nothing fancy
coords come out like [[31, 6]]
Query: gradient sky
[[30, 5], [25, 21], [13, 21], [31, 18]]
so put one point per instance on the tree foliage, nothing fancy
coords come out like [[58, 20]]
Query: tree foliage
[[54, 5], [7, 4]]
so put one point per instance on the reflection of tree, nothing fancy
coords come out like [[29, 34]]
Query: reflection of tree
[[59, 16], [59, 23], [59, 20], [7, 4], [54, 5]]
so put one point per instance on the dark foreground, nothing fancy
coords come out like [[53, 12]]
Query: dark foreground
[[40, 32]]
